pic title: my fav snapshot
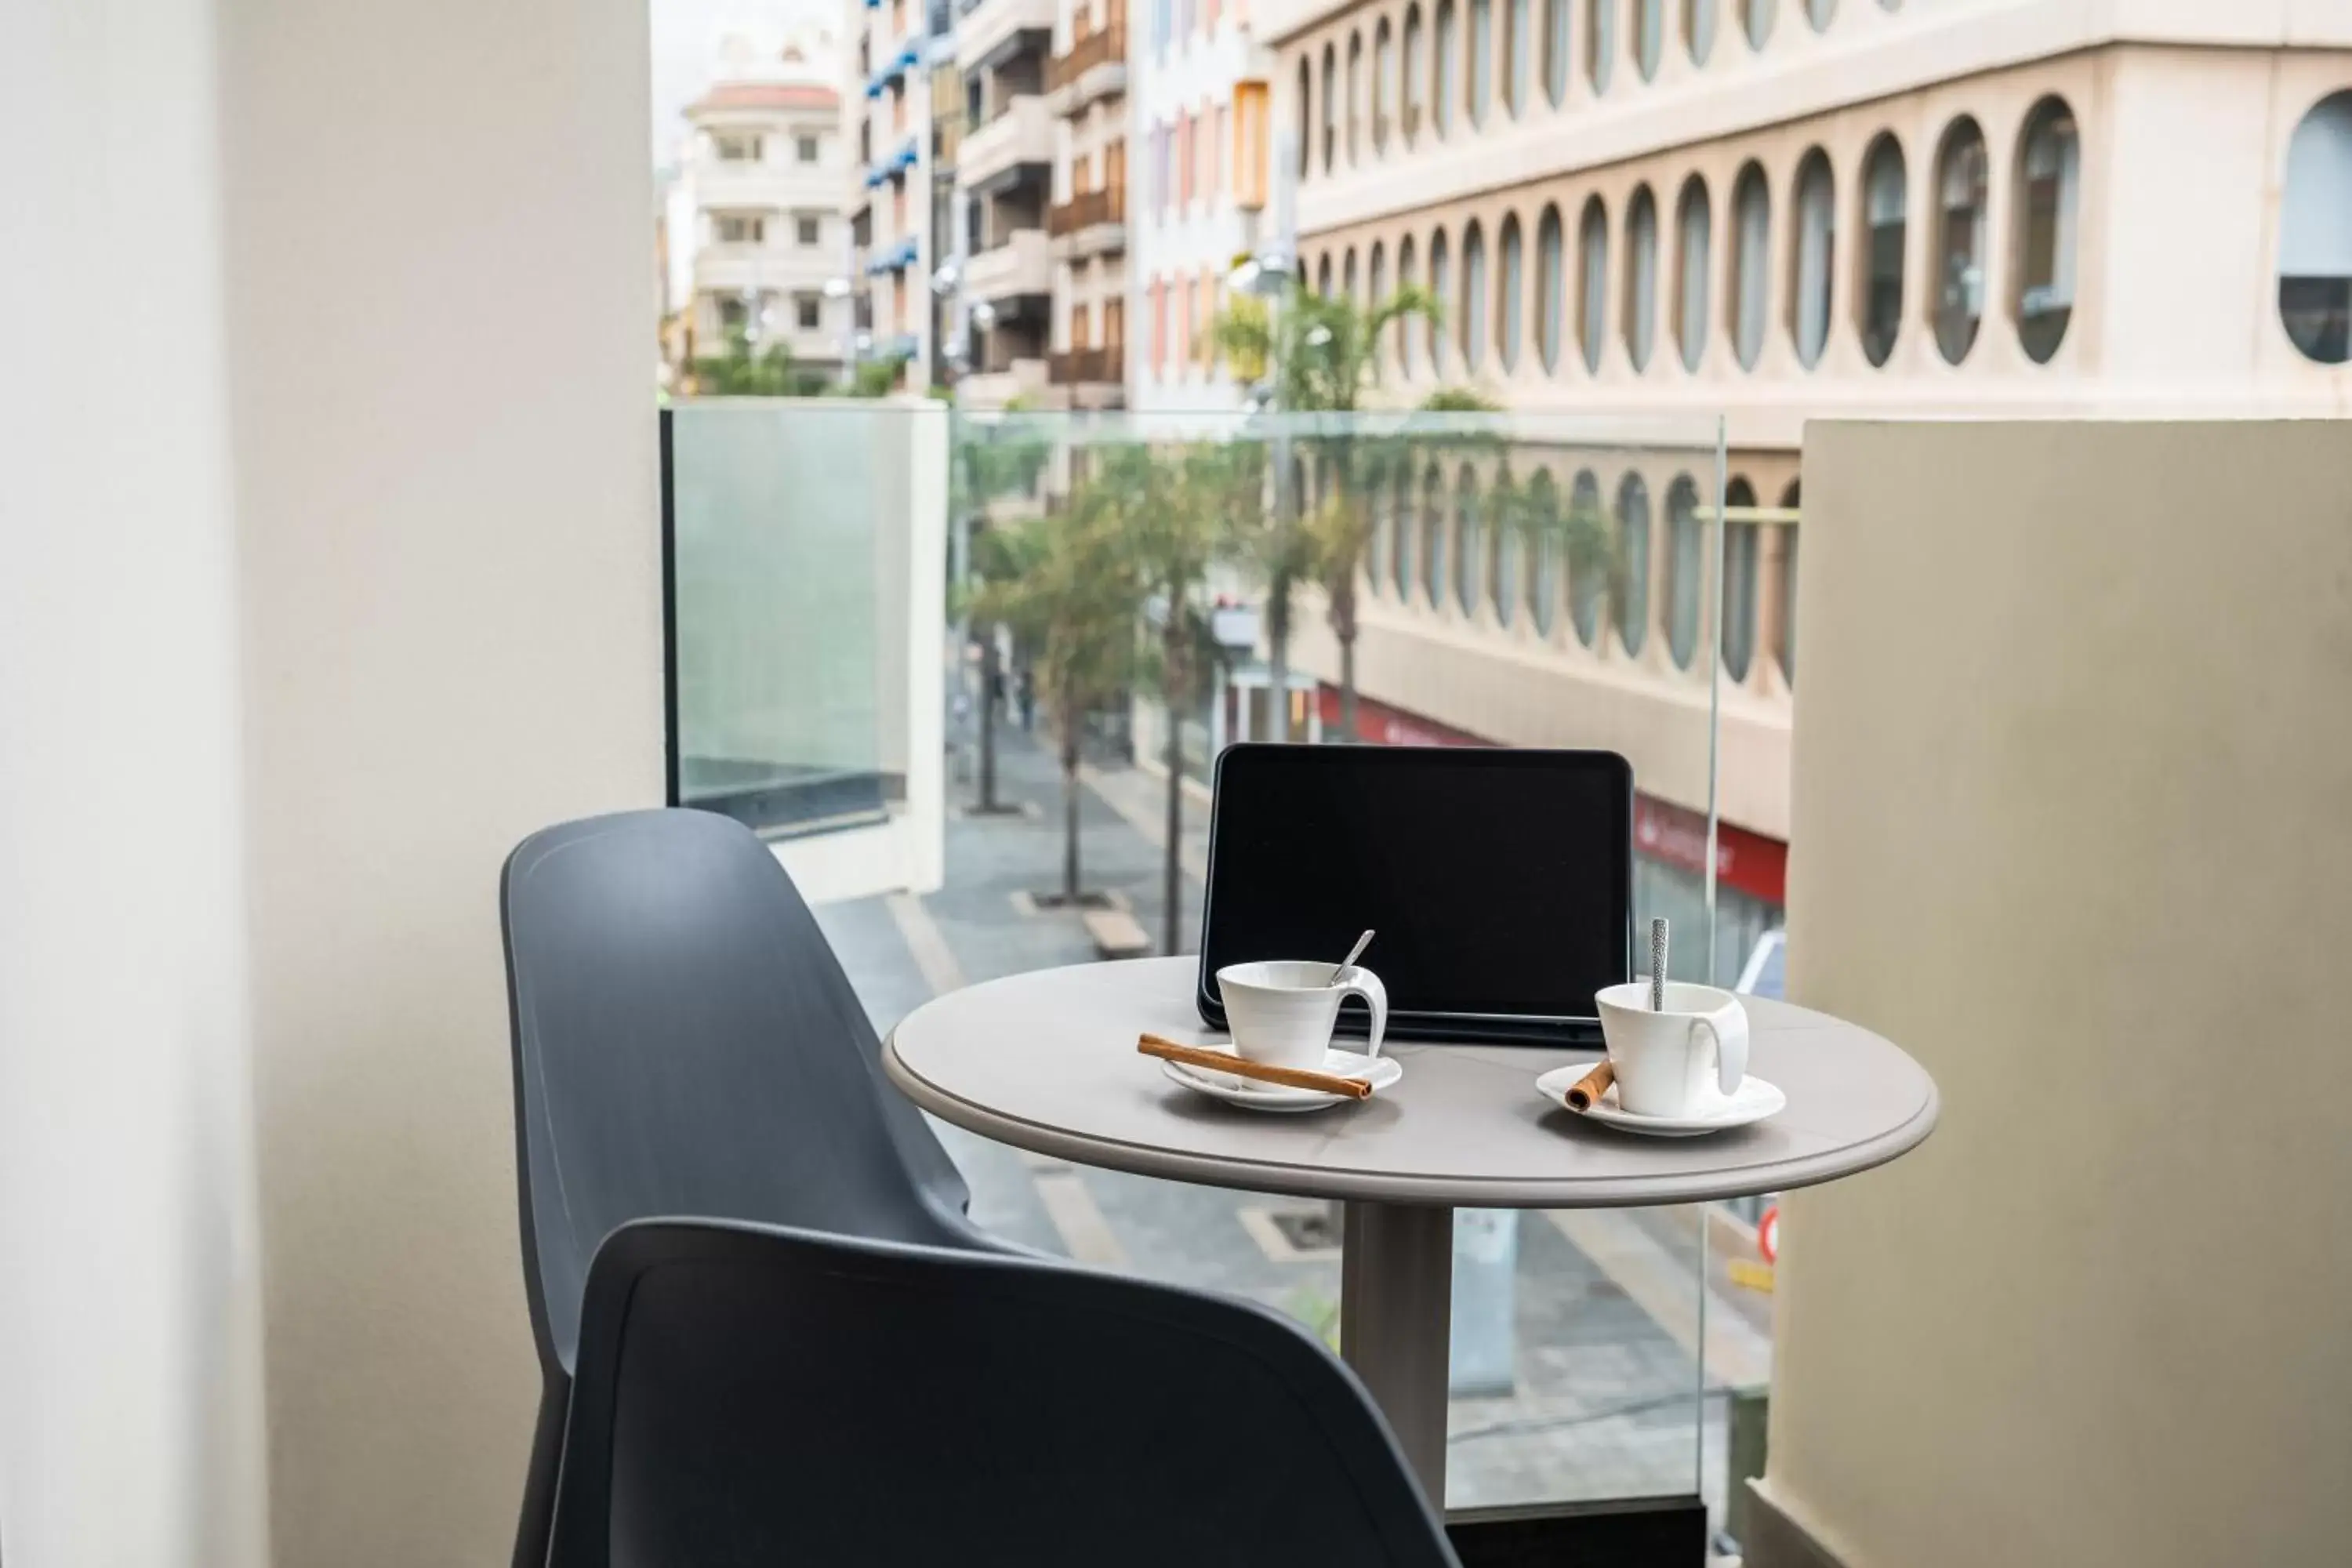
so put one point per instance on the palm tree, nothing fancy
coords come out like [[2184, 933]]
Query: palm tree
[[1067, 585], [1322, 354], [1177, 508]]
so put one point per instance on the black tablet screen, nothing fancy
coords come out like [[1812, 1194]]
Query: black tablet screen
[[1499, 881]]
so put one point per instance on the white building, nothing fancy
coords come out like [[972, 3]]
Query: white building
[[758, 236], [1189, 222], [1004, 187]]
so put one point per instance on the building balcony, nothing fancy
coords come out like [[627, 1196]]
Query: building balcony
[[768, 267], [2070, 829], [1022, 265], [1091, 223], [894, 164], [995, 31], [1028, 380], [894, 257], [743, 186], [1074, 366], [995, 152], [893, 70], [1094, 378], [1095, 68]]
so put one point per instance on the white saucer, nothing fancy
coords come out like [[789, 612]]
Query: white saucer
[[1753, 1102], [1258, 1095]]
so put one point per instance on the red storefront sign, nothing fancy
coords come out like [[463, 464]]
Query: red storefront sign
[[1750, 862], [1378, 724]]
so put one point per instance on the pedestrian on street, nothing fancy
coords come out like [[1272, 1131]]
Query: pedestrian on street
[[1027, 690]]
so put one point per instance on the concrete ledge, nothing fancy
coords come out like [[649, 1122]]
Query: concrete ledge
[[1776, 1540], [899, 855]]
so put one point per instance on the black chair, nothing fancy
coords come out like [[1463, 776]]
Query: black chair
[[749, 1394], [686, 1043]]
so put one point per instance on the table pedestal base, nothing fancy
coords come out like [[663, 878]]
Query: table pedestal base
[[1396, 1303]]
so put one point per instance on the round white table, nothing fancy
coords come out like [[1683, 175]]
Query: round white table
[[1046, 1061]]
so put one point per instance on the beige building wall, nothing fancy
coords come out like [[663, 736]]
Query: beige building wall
[[2095, 873], [450, 604], [2174, 141], [1462, 621], [2184, 116]]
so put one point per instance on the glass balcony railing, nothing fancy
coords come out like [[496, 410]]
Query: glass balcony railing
[[1462, 578], [1471, 578], [789, 528]]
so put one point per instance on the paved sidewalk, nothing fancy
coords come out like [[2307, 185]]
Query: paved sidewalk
[[1607, 1310]]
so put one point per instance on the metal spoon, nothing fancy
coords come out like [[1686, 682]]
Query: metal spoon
[[1354, 952], [1658, 964]]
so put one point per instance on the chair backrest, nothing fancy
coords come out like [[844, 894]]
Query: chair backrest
[[686, 1043], [749, 1394]]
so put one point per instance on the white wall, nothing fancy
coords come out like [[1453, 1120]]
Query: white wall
[[441, 319], [327, 502], [130, 1266], [2069, 824]]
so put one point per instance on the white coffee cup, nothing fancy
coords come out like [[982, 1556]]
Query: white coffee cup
[[1666, 1060], [1282, 1011]]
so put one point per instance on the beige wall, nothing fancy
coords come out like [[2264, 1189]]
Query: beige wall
[[450, 604], [2072, 868]]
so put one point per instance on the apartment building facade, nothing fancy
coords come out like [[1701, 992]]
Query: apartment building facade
[[1200, 205], [1087, 85], [754, 227], [1002, 283], [902, 124], [1667, 215]]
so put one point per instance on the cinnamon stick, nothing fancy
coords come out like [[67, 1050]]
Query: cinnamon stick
[[1586, 1091], [1239, 1066]]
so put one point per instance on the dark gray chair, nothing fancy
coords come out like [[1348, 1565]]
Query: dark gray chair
[[748, 1394], [686, 1043]]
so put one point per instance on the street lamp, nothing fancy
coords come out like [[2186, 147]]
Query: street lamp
[[838, 289], [1264, 274], [755, 318]]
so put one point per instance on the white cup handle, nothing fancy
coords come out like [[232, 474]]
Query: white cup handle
[[1355, 980], [1728, 1029]]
